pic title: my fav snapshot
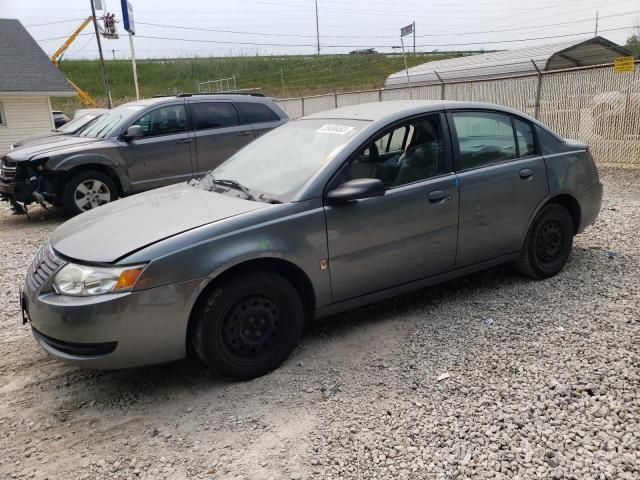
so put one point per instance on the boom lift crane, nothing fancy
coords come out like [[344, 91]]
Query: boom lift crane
[[56, 57]]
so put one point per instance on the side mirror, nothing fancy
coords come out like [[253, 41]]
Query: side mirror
[[133, 132], [355, 190]]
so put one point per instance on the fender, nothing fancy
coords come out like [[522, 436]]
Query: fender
[[70, 162], [229, 243], [549, 198]]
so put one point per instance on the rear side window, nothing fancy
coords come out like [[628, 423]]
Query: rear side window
[[214, 115], [524, 135], [256, 113], [484, 138], [549, 144]]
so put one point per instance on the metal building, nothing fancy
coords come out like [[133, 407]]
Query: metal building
[[557, 56]]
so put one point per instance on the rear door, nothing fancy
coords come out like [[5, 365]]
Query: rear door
[[259, 116], [502, 180], [163, 155], [218, 133]]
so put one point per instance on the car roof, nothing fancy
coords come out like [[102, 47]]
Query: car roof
[[388, 111], [145, 102]]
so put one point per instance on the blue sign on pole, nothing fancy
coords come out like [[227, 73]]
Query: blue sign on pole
[[127, 17]]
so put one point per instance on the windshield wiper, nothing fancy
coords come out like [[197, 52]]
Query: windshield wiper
[[234, 184]]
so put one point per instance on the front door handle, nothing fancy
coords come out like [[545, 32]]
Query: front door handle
[[184, 140], [526, 173], [437, 196], [244, 134]]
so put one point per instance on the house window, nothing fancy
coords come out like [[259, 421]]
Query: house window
[[3, 119]]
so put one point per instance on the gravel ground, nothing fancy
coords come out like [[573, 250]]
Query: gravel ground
[[489, 376]]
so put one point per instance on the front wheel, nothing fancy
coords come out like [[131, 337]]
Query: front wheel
[[548, 243], [88, 190], [248, 325]]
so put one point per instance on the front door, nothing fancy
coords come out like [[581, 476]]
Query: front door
[[162, 156], [218, 133], [502, 182], [410, 232]]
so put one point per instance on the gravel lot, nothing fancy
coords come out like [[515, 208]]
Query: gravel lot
[[490, 376]]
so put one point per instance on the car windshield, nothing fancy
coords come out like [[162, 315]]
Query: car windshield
[[280, 162], [77, 123], [111, 122]]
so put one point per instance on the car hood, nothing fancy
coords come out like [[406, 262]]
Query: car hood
[[117, 229], [53, 146], [44, 137]]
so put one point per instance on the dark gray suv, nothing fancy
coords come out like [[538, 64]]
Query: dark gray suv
[[135, 147]]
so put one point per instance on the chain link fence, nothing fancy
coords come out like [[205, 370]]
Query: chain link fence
[[596, 105]]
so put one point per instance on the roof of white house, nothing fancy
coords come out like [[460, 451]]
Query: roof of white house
[[24, 67], [592, 51]]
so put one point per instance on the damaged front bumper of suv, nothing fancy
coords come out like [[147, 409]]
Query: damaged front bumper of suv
[[23, 183]]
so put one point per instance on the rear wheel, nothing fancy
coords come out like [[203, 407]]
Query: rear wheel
[[88, 190], [248, 325], [548, 243]]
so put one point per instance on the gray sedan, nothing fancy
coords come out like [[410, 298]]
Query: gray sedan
[[320, 215]]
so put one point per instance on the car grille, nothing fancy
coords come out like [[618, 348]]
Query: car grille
[[43, 267], [7, 168]]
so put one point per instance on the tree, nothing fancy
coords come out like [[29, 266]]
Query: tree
[[633, 44]]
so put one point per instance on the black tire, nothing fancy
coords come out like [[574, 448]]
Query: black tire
[[248, 325], [548, 243], [105, 193]]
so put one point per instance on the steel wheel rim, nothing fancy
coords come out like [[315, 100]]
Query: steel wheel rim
[[252, 328], [549, 242], [91, 193]]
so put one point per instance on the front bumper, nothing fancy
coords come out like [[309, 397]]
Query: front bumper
[[11, 190], [115, 330]]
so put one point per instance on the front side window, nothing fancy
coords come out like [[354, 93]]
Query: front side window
[[214, 115], [256, 113], [409, 153], [163, 121], [484, 138]]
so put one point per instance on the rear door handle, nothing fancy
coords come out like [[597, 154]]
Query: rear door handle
[[526, 173], [437, 196], [244, 134], [184, 140]]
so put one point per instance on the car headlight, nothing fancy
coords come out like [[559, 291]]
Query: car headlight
[[84, 281]]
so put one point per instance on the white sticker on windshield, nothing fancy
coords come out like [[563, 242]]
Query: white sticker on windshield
[[335, 129]]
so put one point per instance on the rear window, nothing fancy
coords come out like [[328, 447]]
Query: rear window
[[256, 113], [214, 115]]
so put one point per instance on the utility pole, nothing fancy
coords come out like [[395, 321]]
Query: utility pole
[[282, 81], [317, 28], [135, 70], [596, 23], [414, 36], [105, 79]]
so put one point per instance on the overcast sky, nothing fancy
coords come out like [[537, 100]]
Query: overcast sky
[[265, 27]]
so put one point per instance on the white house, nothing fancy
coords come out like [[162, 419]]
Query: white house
[[27, 80]]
